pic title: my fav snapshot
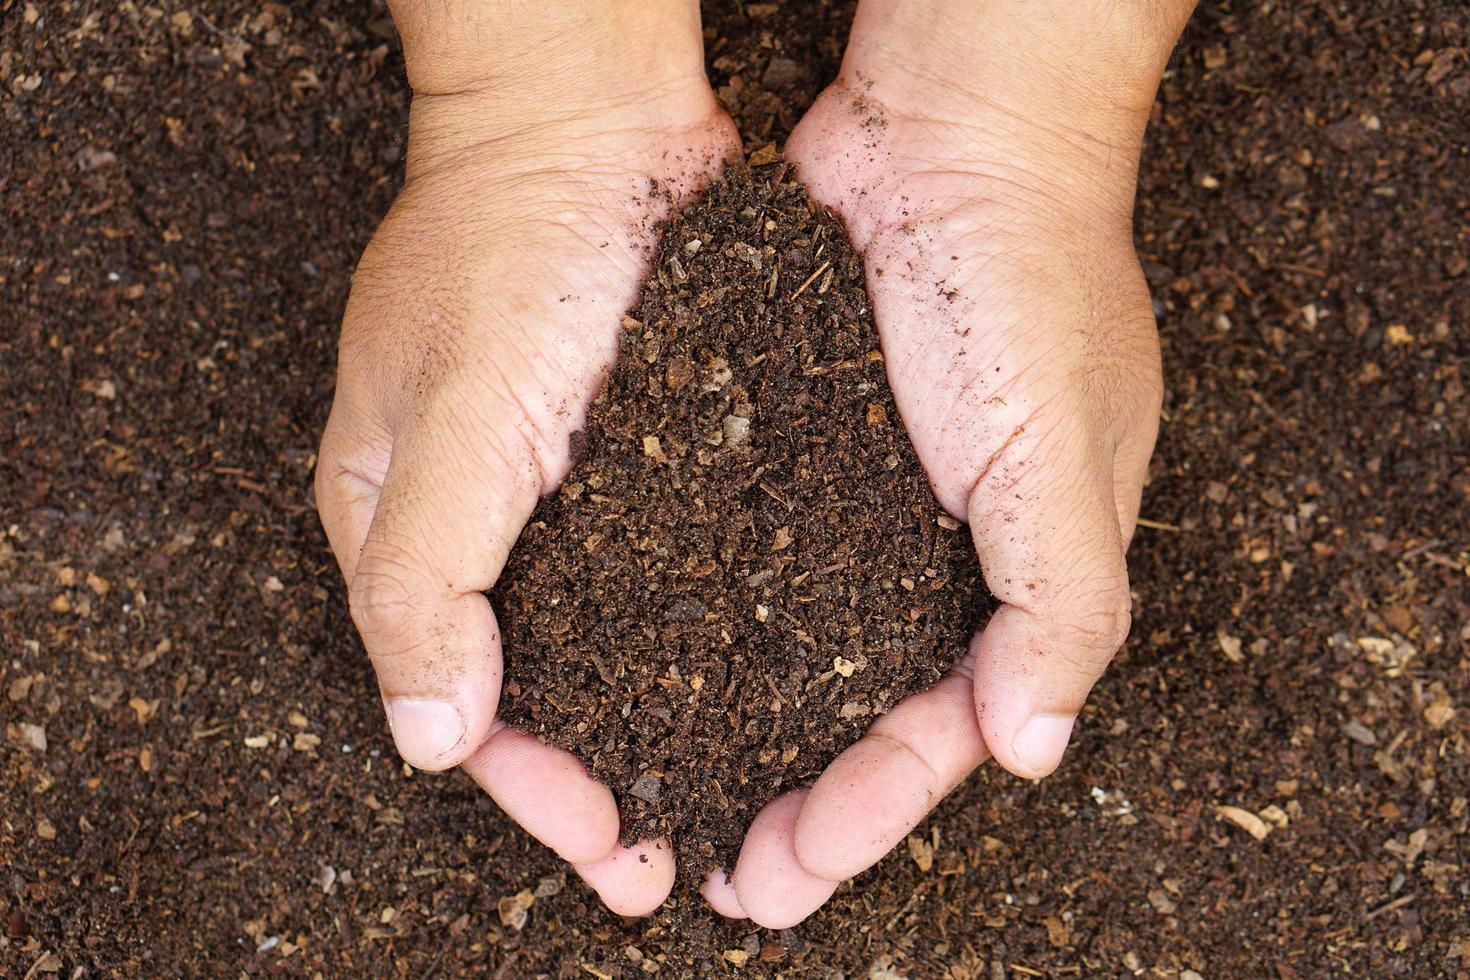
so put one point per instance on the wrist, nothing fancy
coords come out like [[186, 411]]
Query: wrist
[[554, 50], [1068, 84], [512, 76]]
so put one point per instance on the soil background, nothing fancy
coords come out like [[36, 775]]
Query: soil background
[[195, 777]]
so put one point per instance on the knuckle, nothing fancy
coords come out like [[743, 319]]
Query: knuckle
[[321, 488], [1097, 627], [383, 605]]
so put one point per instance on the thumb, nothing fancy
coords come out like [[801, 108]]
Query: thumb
[[456, 494], [1047, 531]]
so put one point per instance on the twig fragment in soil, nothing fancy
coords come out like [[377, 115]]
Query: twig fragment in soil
[[1397, 903], [1159, 525], [826, 264]]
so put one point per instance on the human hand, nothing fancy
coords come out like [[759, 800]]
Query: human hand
[[984, 166], [482, 318]]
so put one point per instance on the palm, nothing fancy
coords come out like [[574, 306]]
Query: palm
[[1023, 357]]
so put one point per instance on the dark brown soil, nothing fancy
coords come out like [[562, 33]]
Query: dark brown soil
[[182, 200], [747, 565]]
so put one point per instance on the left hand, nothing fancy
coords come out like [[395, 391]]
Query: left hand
[[1020, 342]]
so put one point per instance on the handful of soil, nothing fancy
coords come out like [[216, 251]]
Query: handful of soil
[[746, 566]]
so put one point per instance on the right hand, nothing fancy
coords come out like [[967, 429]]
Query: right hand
[[483, 317]]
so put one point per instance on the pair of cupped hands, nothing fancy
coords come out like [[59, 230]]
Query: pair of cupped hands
[[989, 191]]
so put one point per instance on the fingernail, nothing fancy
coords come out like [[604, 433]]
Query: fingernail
[[1041, 741], [425, 730]]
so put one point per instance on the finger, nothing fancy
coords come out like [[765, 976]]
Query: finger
[[719, 891], [632, 880], [770, 883], [349, 478], [1045, 523], [547, 792], [1130, 471], [456, 495], [883, 785]]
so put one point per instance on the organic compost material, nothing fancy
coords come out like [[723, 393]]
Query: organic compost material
[[747, 565]]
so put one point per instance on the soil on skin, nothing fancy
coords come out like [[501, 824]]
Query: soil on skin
[[747, 566], [195, 774]]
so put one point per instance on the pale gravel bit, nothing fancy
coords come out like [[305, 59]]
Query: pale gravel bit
[[33, 735]]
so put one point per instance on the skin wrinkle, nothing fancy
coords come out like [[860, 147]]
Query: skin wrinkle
[[959, 132], [522, 46], [388, 550], [545, 139], [1094, 60], [904, 747], [384, 609], [542, 449], [1058, 634]]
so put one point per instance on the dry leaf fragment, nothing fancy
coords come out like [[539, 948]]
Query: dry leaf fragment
[[1057, 932], [48, 963], [922, 852], [20, 688], [1230, 646], [783, 539], [512, 916], [143, 709], [1440, 713], [1359, 732], [678, 373], [1392, 655], [765, 156], [739, 957], [1245, 820], [1276, 816], [512, 909], [647, 788], [1162, 903]]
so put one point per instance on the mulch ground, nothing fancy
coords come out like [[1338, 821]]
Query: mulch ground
[[195, 774]]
